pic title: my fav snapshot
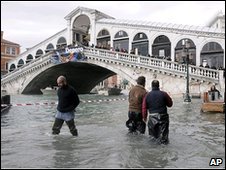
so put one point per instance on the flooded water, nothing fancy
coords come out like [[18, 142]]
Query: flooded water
[[103, 141]]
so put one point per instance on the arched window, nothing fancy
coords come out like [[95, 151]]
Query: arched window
[[12, 67], [140, 42], [212, 54], [29, 58], [61, 43], [103, 33], [49, 47], [161, 47], [121, 41], [38, 53], [103, 39], [20, 63], [179, 52], [81, 30]]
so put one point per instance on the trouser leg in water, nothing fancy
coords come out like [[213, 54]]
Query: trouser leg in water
[[72, 127], [158, 127], [57, 126]]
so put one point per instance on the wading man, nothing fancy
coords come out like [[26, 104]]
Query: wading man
[[136, 96], [68, 100], [156, 103]]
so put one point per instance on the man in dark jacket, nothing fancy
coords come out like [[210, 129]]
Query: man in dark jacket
[[68, 100], [156, 102], [136, 95]]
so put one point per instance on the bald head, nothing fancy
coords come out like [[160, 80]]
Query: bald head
[[61, 81], [155, 84]]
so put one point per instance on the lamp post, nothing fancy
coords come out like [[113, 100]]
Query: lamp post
[[186, 46]]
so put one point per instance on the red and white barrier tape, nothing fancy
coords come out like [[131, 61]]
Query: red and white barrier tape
[[55, 103]]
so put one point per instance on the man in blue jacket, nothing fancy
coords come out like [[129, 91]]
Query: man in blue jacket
[[156, 102], [68, 100]]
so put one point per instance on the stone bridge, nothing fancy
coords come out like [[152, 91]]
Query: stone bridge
[[101, 64]]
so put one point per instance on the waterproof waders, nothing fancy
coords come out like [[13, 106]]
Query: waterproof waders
[[135, 122], [158, 127], [58, 124]]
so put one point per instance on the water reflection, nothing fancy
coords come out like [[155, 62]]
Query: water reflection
[[143, 152], [65, 147]]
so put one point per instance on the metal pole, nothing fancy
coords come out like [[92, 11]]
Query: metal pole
[[187, 96]]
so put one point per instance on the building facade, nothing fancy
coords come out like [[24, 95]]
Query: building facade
[[9, 51]]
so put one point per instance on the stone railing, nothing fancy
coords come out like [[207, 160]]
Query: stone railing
[[162, 65], [30, 65]]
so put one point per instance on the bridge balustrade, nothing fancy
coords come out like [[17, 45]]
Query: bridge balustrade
[[143, 61], [26, 67], [173, 67]]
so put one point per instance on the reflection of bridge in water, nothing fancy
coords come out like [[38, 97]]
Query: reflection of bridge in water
[[84, 75]]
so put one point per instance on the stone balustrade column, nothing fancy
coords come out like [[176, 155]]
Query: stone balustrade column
[[221, 80], [138, 59]]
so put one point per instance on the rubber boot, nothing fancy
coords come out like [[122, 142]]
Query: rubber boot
[[71, 126], [57, 126]]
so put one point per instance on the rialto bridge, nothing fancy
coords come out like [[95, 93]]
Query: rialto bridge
[[100, 64], [152, 49]]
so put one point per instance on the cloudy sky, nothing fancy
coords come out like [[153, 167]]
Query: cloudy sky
[[30, 22]]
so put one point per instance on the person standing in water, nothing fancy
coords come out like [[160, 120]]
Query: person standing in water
[[68, 100], [156, 103]]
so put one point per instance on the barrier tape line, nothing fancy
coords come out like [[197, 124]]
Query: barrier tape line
[[55, 103]]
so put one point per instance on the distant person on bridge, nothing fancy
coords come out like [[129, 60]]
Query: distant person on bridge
[[156, 102], [136, 96], [214, 93], [68, 100]]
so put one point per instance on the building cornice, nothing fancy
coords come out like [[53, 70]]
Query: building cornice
[[89, 10], [167, 29], [6, 42]]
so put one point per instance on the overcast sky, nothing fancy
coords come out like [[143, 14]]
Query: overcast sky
[[30, 22]]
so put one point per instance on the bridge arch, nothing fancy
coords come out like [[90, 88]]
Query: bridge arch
[[90, 74], [46, 74]]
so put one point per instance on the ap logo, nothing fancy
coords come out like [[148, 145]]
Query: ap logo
[[216, 161]]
